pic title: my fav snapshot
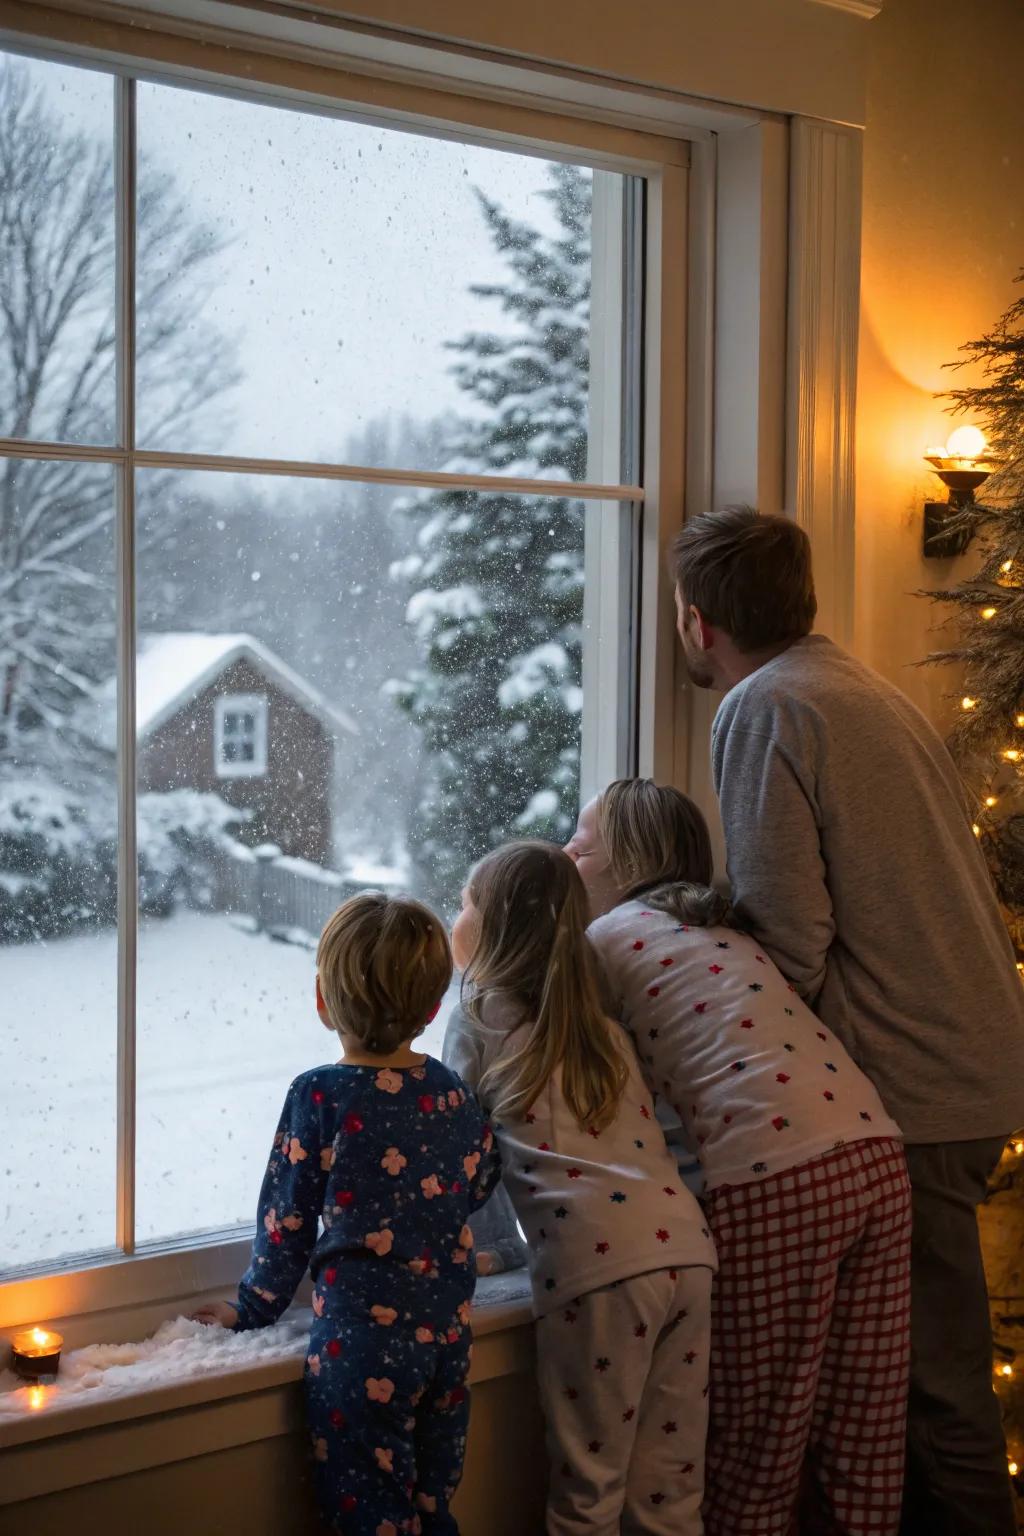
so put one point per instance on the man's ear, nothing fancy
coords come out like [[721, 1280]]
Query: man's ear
[[704, 631]]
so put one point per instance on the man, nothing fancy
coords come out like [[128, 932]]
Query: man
[[851, 857]]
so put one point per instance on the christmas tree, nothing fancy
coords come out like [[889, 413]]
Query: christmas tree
[[988, 743], [497, 580], [988, 737]]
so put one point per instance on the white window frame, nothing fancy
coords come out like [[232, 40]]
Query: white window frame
[[137, 1280], [254, 704], [718, 395]]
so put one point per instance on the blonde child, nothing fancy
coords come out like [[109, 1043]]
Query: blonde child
[[620, 1257], [807, 1191], [390, 1153]]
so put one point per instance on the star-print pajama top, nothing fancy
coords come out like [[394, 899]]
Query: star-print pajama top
[[758, 1082], [392, 1162], [596, 1207]]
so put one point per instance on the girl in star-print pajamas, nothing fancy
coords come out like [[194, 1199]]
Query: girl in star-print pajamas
[[619, 1253], [392, 1154], [807, 1191]]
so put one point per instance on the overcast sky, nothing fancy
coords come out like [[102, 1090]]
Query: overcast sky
[[351, 249]]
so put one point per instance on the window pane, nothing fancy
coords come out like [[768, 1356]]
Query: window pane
[[353, 293], [56, 253], [419, 658], [58, 861]]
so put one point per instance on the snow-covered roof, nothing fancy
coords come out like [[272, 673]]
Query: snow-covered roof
[[173, 668]]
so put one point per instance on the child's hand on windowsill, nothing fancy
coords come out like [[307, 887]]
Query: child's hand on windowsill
[[216, 1314], [488, 1262]]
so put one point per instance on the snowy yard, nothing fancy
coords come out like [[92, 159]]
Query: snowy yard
[[225, 1020]]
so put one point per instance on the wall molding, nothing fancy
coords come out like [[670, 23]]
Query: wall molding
[[824, 314]]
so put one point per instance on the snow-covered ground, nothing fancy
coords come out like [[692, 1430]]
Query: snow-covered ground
[[225, 1020]]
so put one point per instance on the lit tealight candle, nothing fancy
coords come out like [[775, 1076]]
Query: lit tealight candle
[[35, 1352]]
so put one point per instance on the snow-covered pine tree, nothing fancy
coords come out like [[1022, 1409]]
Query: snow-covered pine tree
[[497, 580], [988, 609]]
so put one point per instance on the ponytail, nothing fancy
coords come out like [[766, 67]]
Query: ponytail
[[533, 946]]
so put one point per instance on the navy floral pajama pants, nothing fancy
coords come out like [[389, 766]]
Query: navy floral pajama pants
[[387, 1406]]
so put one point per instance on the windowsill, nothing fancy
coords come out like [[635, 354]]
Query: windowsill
[[502, 1304]]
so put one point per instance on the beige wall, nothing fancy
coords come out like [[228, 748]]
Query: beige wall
[[943, 238]]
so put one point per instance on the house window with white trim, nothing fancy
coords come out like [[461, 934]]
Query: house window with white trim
[[240, 736], [386, 414]]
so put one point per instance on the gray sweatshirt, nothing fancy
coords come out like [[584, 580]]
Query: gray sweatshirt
[[852, 860]]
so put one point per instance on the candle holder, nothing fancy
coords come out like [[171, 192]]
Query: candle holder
[[35, 1353]]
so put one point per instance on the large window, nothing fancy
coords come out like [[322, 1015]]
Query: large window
[[318, 464]]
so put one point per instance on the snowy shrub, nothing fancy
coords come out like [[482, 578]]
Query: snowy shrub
[[180, 835], [58, 859], [58, 854]]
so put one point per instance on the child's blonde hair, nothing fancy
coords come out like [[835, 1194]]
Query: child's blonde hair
[[533, 947], [658, 843], [384, 964]]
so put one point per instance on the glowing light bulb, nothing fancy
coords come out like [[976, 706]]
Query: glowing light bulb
[[968, 703], [1018, 1146], [989, 613], [991, 800], [1012, 755], [1006, 567], [1013, 1469], [1006, 1370], [976, 830], [1020, 721], [966, 443]]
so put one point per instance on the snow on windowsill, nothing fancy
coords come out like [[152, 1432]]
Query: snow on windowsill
[[185, 1364]]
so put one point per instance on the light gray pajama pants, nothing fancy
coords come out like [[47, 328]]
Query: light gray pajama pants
[[623, 1375]]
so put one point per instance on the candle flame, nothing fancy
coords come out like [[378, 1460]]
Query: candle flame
[[40, 1336]]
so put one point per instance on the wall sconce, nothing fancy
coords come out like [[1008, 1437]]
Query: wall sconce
[[962, 465]]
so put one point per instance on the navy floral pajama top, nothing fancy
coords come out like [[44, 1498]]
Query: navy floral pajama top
[[392, 1161]]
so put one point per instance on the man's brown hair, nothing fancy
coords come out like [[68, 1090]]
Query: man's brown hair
[[384, 965], [749, 575]]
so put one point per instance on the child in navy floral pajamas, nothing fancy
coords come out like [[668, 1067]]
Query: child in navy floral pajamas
[[389, 1150]]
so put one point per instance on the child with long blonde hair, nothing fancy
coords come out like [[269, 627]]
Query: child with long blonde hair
[[808, 1198], [620, 1256]]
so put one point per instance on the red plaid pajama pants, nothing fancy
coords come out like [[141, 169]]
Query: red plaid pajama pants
[[810, 1347]]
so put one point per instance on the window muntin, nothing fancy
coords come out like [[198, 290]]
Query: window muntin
[[148, 483], [240, 736]]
